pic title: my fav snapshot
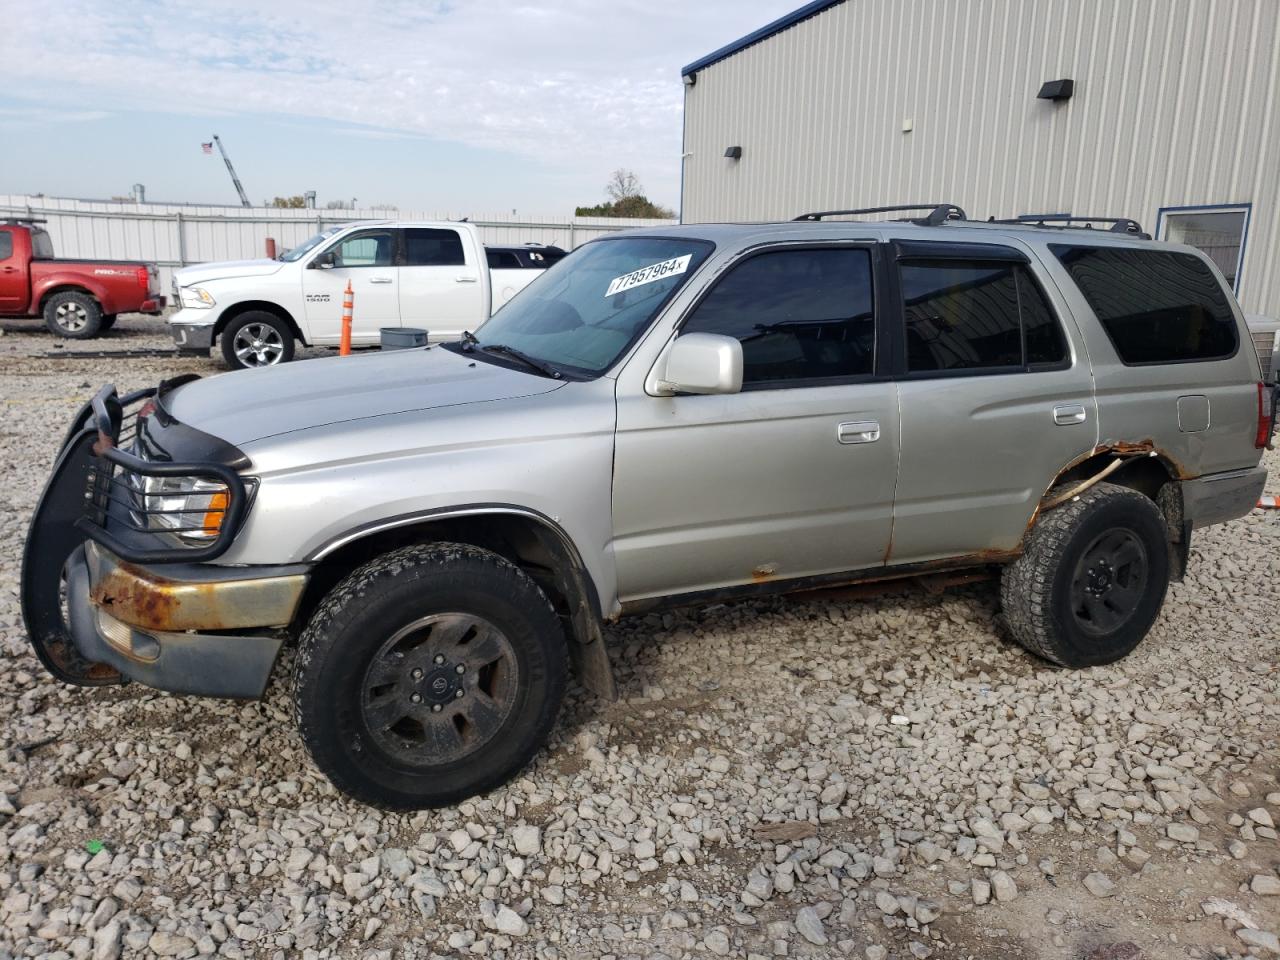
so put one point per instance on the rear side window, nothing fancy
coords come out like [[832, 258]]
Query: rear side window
[[503, 260], [41, 245], [967, 315], [799, 314], [425, 247], [1156, 306], [6, 244]]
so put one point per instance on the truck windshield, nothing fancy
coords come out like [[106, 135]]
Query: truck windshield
[[301, 249], [583, 313]]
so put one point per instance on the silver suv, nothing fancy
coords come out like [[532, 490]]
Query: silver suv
[[666, 417]]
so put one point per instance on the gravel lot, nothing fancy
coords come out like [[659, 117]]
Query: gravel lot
[[832, 777]]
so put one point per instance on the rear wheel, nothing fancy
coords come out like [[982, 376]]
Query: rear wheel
[[73, 314], [1092, 580], [257, 339], [429, 675]]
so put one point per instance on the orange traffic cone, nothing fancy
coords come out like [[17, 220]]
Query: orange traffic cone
[[344, 345], [1269, 503]]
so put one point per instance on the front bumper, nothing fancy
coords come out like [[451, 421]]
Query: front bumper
[[182, 630], [1220, 497], [193, 337]]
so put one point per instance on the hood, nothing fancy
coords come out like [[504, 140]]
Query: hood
[[248, 405], [225, 270]]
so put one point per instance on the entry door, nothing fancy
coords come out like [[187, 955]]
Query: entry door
[[441, 288], [366, 259], [996, 397], [792, 477], [14, 285]]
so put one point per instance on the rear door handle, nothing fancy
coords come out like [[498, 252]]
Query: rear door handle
[[1065, 414], [466, 279], [858, 431], [379, 279]]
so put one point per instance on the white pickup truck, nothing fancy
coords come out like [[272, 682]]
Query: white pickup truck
[[437, 276]]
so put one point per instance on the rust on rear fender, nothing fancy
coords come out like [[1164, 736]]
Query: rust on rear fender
[[144, 599]]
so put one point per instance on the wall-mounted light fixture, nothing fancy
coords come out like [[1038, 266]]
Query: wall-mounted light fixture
[[1056, 90], [733, 153]]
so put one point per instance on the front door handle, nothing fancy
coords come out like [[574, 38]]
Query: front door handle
[[858, 431], [379, 279], [1065, 414], [466, 279]]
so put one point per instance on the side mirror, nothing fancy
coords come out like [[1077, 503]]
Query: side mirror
[[325, 261], [702, 363]]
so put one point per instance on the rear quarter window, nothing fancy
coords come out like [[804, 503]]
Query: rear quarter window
[[1156, 306], [6, 244]]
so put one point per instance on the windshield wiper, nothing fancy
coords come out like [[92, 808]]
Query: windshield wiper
[[469, 341], [532, 362]]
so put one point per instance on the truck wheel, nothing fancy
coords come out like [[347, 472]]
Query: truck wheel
[[1092, 579], [73, 314], [429, 675], [256, 339]]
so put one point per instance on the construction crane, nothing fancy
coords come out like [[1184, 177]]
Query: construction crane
[[244, 198]]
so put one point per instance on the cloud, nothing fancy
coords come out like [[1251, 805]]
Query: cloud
[[575, 84]]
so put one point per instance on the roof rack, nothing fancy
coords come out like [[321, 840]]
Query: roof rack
[[16, 220], [1065, 220], [938, 213]]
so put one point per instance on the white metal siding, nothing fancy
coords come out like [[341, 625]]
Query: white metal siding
[[1175, 105], [173, 235]]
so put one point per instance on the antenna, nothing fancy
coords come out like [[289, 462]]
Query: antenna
[[244, 199]]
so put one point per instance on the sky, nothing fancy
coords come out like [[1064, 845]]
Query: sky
[[474, 108]]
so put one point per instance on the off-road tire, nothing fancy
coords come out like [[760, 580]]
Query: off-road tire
[[1036, 589], [278, 329], [73, 314], [351, 626]]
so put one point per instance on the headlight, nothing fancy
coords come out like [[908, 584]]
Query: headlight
[[188, 506], [196, 297]]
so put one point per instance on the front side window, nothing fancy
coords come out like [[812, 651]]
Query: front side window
[[583, 313], [427, 247], [799, 314], [371, 248], [1157, 306], [964, 315]]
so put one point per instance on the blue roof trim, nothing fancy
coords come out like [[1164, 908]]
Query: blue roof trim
[[764, 33]]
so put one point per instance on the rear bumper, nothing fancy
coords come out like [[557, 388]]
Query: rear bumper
[[159, 630], [152, 305], [1222, 496]]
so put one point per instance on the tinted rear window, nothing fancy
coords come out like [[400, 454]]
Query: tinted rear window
[[425, 247], [6, 244], [1156, 306]]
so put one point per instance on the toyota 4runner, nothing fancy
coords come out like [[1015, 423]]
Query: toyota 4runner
[[669, 416]]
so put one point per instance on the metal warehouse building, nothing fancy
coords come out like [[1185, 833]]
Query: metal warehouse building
[[1169, 113]]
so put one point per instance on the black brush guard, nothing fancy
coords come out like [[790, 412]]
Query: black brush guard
[[88, 496]]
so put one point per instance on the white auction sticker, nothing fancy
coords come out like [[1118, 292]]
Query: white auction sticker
[[655, 271]]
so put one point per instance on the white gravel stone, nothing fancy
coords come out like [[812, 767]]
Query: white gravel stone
[[810, 926]]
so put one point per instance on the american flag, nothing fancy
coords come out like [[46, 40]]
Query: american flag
[[207, 147]]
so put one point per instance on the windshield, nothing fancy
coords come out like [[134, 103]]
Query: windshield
[[301, 250], [583, 313]]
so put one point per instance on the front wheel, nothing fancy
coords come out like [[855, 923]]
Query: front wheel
[[73, 315], [257, 339], [1092, 580], [429, 675]]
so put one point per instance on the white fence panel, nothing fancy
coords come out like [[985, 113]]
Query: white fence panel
[[176, 235]]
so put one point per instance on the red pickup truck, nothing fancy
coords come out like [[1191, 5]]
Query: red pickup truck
[[77, 298]]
